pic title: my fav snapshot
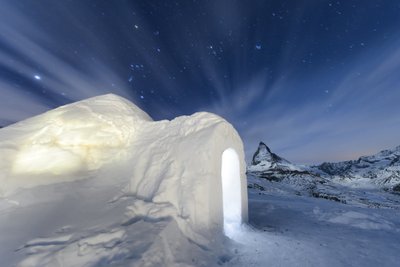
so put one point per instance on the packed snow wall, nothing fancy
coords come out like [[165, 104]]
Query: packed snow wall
[[180, 161], [174, 163]]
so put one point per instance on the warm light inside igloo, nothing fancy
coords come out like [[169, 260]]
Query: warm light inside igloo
[[231, 191]]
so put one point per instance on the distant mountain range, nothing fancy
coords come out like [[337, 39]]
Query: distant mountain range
[[268, 165], [330, 180], [382, 169]]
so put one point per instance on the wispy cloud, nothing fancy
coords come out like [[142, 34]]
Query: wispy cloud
[[357, 115], [26, 56]]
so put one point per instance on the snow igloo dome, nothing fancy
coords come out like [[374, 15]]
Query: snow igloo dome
[[194, 165]]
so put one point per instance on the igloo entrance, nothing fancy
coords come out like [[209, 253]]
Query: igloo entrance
[[231, 191]]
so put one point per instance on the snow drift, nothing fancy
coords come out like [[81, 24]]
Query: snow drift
[[175, 163]]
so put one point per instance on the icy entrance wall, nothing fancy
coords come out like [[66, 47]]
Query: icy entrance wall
[[174, 162]]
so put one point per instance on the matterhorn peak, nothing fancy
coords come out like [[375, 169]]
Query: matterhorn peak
[[264, 153], [262, 145]]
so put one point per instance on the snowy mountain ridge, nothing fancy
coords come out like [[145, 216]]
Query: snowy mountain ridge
[[371, 181], [264, 159], [381, 170], [268, 165]]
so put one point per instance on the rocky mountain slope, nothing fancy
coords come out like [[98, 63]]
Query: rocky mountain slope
[[381, 169], [365, 180], [268, 165]]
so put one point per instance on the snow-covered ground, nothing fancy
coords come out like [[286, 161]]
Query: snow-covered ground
[[288, 229], [83, 224]]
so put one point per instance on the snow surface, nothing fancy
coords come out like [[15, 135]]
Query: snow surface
[[98, 182], [288, 229], [82, 224]]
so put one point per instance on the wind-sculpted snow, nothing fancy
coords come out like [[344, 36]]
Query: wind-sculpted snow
[[98, 182]]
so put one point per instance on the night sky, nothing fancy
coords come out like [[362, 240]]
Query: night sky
[[315, 80]]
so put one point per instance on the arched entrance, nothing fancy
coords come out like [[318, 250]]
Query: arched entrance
[[231, 191]]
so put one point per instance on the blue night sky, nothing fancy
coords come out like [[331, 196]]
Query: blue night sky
[[315, 80]]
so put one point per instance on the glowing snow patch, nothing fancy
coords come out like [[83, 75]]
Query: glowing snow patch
[[38, 159], [231, 192], [66, 144]]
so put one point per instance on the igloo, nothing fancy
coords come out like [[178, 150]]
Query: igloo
[[194, 163]]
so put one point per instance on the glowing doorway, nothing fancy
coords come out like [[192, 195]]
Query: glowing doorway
[[231, 191]]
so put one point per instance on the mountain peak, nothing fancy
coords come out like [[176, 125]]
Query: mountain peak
[[264, 153], [262, 145]]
